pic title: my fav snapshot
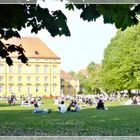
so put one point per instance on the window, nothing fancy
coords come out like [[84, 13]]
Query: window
[[19, 78], [10, 78], [1, 68], [54, 69], [46, 88], [19, 88], [37, 88], [54, 88], [37, 68], [28, 78], [1, 88], [19, 68], [37, 79], [1, 78], [54, 79], [28, 68], [45, 69], [10, 88], [46, 78], [10, 69], [28, 89]]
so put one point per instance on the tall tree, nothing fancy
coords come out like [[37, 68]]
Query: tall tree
[[94, 78], [91, 82], [91, 67], [121, 65]]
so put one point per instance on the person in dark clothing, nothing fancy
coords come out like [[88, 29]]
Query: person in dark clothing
[[36, 104], [100, 105], [72, 104], [69, 109]]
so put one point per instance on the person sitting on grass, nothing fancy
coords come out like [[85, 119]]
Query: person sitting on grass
[[69, 109], [100, 105], [76, 108], [25, 102], [62, 107], [36, 104], [71, 106]]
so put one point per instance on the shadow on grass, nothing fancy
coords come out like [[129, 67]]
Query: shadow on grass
[[7, 105]]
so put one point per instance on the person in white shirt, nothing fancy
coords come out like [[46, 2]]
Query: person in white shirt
[[56, 101], [62, 107], [77, 107]]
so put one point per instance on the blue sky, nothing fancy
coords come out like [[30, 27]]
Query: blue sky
[[86, 43]]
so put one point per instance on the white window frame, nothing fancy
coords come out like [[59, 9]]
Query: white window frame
[[19, 88], [19, 78], [45, 68], [28, 89], [37, 88], [28, 78], [46, 88], [28, 68], [37, 78], [46, 78], [37, 68], [54, 88], [10, 88], [10, 69], [54, 69], [10, 78], [54, 79]]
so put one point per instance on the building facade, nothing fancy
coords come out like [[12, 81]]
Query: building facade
[[40, 77], [69, 84]]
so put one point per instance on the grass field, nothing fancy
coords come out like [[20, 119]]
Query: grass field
[[117, 120]]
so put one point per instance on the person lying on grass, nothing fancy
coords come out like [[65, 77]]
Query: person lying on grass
[[38, 110]]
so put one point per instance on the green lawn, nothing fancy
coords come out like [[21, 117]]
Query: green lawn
[[117, 120]]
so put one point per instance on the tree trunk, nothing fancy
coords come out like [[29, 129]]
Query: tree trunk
[[129, 93]]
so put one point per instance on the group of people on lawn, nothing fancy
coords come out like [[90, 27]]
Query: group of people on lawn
[[62, 108], [73, 107]]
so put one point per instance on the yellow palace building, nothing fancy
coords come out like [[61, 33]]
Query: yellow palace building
[[40, 77]]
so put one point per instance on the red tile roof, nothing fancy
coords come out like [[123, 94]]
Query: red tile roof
[[33, 46]]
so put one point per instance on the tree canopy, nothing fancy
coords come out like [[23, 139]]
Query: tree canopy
[[55, 22], [90, 82], [93, 81], [121, 65], [28, 16], [122, 15]]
